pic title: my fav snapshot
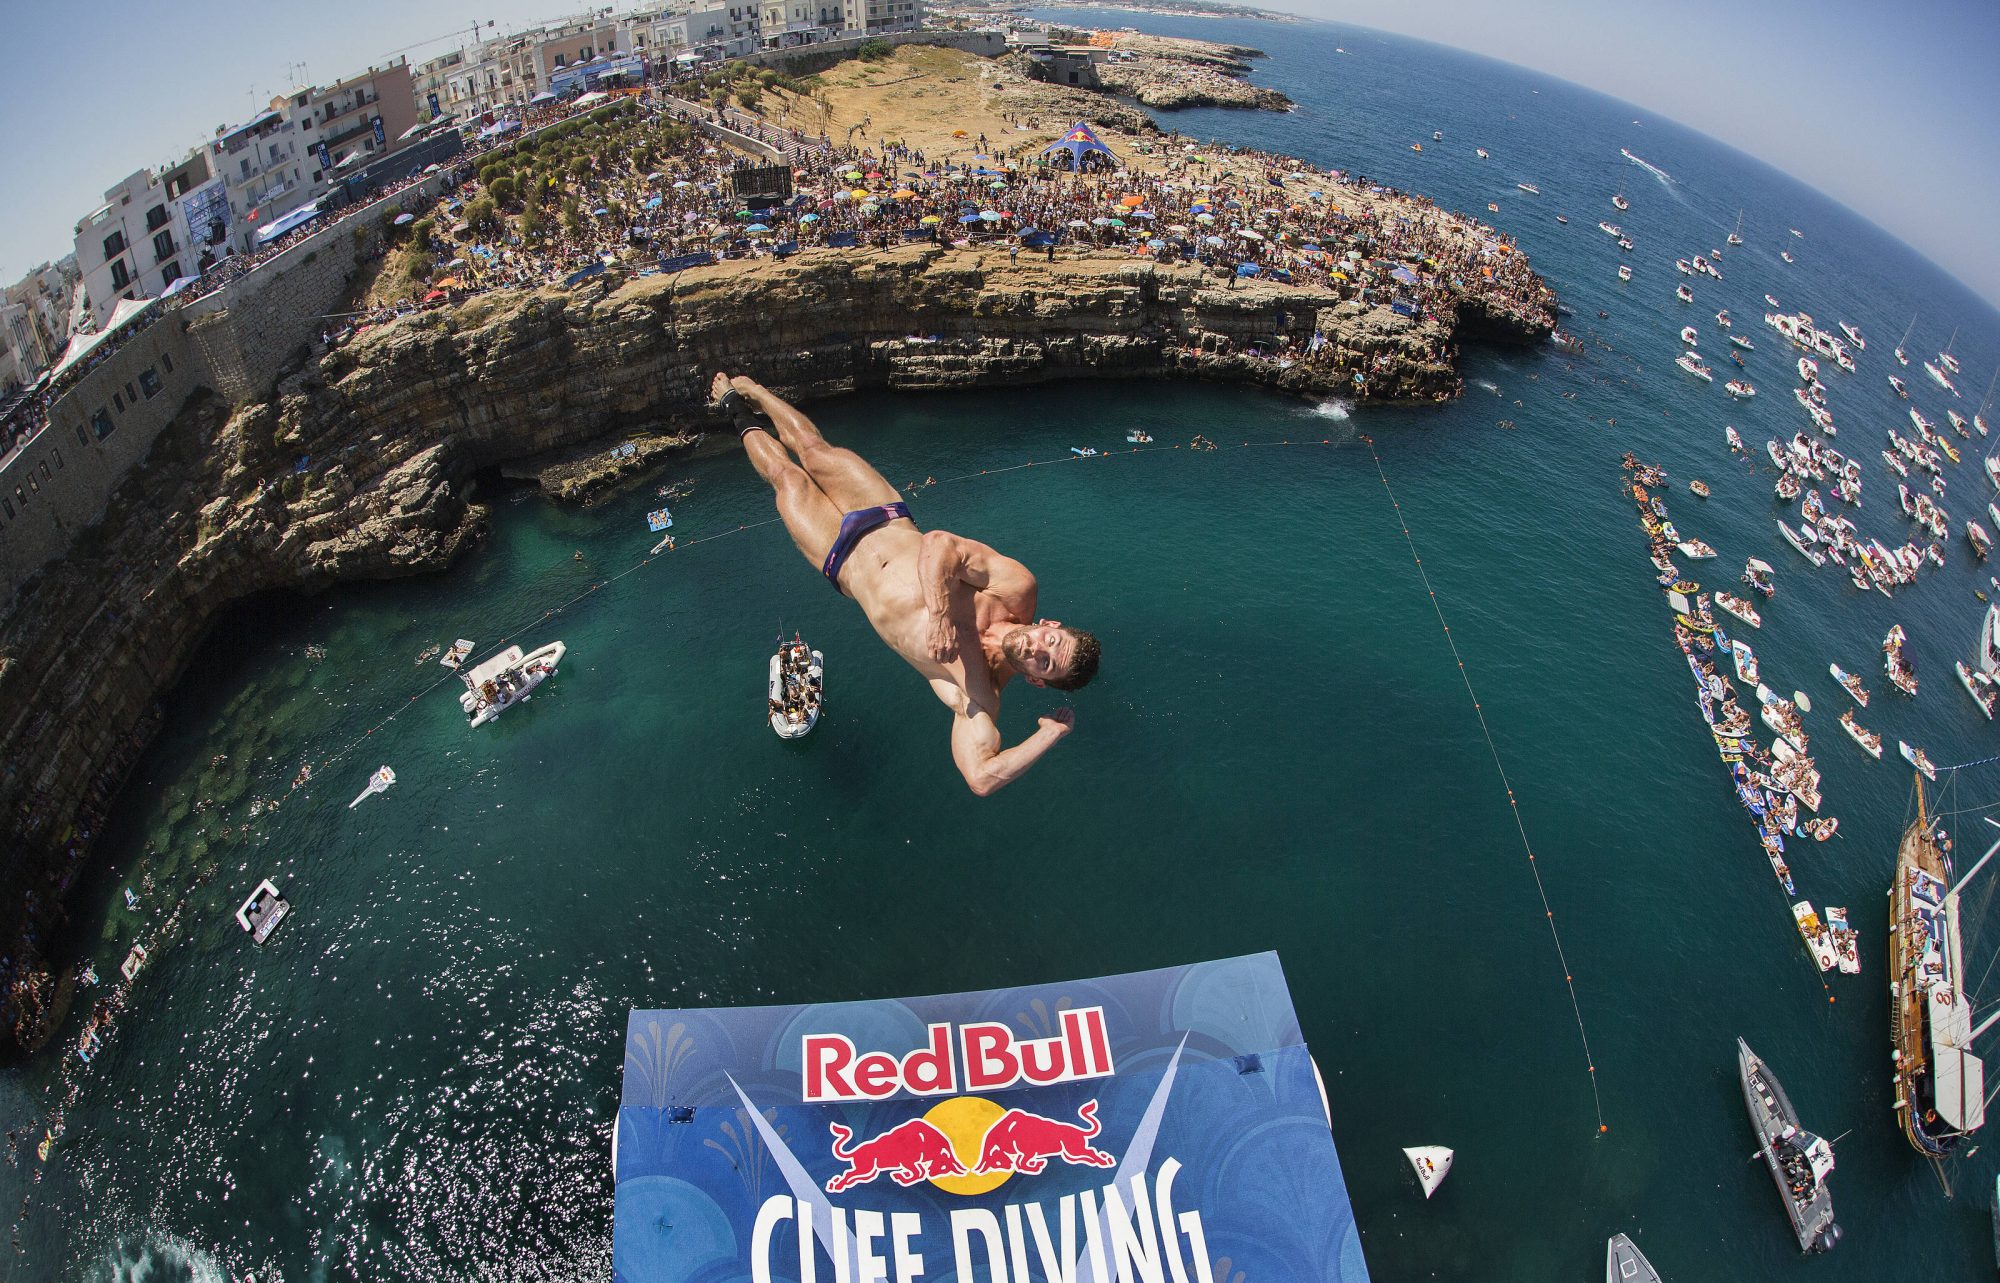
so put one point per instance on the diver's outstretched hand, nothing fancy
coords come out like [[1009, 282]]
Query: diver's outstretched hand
[[1060, 723]]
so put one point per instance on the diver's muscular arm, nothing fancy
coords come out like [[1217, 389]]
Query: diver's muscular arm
[[949, 561], [976, 750]]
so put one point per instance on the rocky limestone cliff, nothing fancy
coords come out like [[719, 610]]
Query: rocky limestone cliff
[[359, 465]]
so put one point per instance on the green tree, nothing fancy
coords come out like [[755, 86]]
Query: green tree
[[749, 96], [533, 225], [503, 189], [479, 213]]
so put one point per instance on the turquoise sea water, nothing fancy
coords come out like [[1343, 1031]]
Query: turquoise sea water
[[416, 1078]]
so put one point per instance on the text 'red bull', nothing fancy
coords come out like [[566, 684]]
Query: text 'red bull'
[[984, 1057]]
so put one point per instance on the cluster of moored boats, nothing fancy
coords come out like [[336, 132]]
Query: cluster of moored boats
[[1780, 787]]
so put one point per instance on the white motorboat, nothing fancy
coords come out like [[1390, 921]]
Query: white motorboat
[[1854, 337], [1610, 229], [1801, 546], [507, 679], [1846, 942], [1735, 439], [1743, 343], [1692, 364], [263, 911], [1915, 757], [1529, 188], [1808, 369], [1773, 302], [1624, 272], [1745, 661], [1684, 267], [379, 782], [1958, 423], [1696, 550], [1984, 691], [796, 689], [1975, 534], [1870, 742], [1939, 377], [1432, 1163], [1684, 294], [1989, 641], [1849, 683], [1899, 387], [1621, 203], [1690, 336], [1787, 256], [1740, 608], [1813, 932]]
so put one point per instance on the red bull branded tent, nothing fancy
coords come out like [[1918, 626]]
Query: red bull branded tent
[[1159, 1127], [1078, 145]]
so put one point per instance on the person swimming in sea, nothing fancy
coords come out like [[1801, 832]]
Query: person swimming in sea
[[958, 612]]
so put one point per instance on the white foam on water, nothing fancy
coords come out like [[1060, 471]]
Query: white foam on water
[[1665, 178], [1487, 385], [1337, 410], [159, 1258]]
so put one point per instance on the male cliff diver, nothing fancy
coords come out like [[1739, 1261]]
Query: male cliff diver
[[961, 614]]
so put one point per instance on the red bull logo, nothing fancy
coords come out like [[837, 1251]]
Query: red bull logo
[[937, 1147]]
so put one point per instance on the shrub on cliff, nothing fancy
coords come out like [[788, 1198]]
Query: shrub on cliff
[[875, 50], [503, 189], [749, 96], [533, 225], [479, 213]]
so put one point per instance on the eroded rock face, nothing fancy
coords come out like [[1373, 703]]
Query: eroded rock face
[[359, 465]]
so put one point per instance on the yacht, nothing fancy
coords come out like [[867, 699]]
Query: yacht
[[1940, 378], [1736, 237], [1621, 203], [1625, 1263], [1739, 389], [1610, 229], [1529, 188], [1899, 387], [1903, 357], [1940, 1086], [1945, 358], [507, 679], [1854, 337], [1692, 364]]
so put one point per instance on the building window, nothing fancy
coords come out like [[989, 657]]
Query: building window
[[131, 394], [149, 382], [156, 218], [163, 246], [46, 474], [170, 273], [101, 423], [21, 497], [8, 506], [80, 438], [121, 276], [114, 245], [33, 484], [58, 454], [118, 401], [167, 361]]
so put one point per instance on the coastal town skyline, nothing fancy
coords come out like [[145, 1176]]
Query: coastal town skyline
[[1827, 114]]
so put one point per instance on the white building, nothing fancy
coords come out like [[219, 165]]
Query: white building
[[289, 155], [141, 240], [34, 322]]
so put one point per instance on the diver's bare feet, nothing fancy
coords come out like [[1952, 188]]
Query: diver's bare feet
[[718, 388]]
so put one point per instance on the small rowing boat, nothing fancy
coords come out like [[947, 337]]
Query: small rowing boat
[[1699, 487]]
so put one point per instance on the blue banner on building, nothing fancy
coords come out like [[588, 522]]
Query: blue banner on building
[[325, 156], [381, 137], [1161, 1125], [679, 262], [435, 112]]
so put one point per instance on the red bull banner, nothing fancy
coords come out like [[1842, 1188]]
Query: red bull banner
[[1158, 1127]]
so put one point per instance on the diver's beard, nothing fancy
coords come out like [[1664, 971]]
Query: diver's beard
[[1010, 646]]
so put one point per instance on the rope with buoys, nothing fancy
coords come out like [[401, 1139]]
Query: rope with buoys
[[1513, 803]]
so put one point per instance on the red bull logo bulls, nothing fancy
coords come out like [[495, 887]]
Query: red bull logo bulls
[[919, 1149]]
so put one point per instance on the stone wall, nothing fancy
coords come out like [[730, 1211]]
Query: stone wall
[[59, 483], [803, 58]]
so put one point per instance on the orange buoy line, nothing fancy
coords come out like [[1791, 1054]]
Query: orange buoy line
[[1513, 803]]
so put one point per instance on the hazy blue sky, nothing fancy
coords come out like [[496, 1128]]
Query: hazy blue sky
[[1887, 107]]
